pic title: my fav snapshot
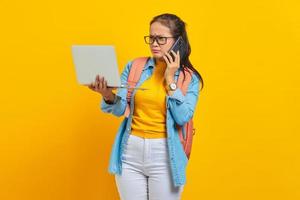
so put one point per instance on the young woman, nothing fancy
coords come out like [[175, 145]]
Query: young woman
[[147, 157]]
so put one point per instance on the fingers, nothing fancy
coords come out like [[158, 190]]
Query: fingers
[[104, 84], [176, 56], [95, 85], [99, 85], [97, 79], [165, 58], [169, 58]]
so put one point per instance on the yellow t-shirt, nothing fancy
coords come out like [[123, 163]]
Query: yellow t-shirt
[[149, 115]]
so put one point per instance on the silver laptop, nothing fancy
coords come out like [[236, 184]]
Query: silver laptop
[[91, 60]]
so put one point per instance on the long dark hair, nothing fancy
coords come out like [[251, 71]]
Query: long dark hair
[[177, 28]]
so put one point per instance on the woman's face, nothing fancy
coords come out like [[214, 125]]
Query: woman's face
[[159, 50]]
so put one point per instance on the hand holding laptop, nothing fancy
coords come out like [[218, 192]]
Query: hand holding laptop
[[100, 85]]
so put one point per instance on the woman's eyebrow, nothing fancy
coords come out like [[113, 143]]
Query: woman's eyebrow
[[157, 35]]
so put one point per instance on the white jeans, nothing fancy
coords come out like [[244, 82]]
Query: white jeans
[[146, 172]]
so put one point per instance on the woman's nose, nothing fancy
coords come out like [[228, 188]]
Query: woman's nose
[[155, 43]]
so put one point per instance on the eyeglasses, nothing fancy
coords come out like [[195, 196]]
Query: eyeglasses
[[159, 39]]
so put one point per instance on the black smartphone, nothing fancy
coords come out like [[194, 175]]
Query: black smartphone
[[179, 45]]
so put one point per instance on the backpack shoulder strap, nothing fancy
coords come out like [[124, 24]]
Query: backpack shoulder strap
[[136, 70], [133, 78], [188, 77]]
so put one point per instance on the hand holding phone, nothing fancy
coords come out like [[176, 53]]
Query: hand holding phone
[[179, 45]]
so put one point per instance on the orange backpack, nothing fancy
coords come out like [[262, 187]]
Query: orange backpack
[[187, 131]]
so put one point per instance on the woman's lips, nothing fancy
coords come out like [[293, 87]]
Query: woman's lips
[[155, 51]]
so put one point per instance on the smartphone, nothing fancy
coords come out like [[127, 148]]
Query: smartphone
[[179, 45]]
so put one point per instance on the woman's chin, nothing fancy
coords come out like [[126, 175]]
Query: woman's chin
[[157, 56]]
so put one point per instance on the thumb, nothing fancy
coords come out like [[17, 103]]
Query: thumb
[[112, 88]]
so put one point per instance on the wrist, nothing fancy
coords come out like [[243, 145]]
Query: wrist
[[171, 86], [170, 80], [109, 97]]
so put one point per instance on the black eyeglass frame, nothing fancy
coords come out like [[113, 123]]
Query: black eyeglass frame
[[156, 38]]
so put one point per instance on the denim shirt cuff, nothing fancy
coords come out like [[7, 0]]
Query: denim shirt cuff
[[114, 101], [177, 95], [108, 106]]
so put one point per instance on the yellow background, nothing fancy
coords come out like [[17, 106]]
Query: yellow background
[[55, 141]]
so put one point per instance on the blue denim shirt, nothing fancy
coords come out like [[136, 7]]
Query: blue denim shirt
[[180, 109]]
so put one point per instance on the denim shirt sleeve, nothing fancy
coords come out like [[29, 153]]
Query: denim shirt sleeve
[[182, 107], [118, 107]]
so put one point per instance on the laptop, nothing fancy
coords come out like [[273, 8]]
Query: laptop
[[91, 60]]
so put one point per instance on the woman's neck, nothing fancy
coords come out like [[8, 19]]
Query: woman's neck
[[159, 62]]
